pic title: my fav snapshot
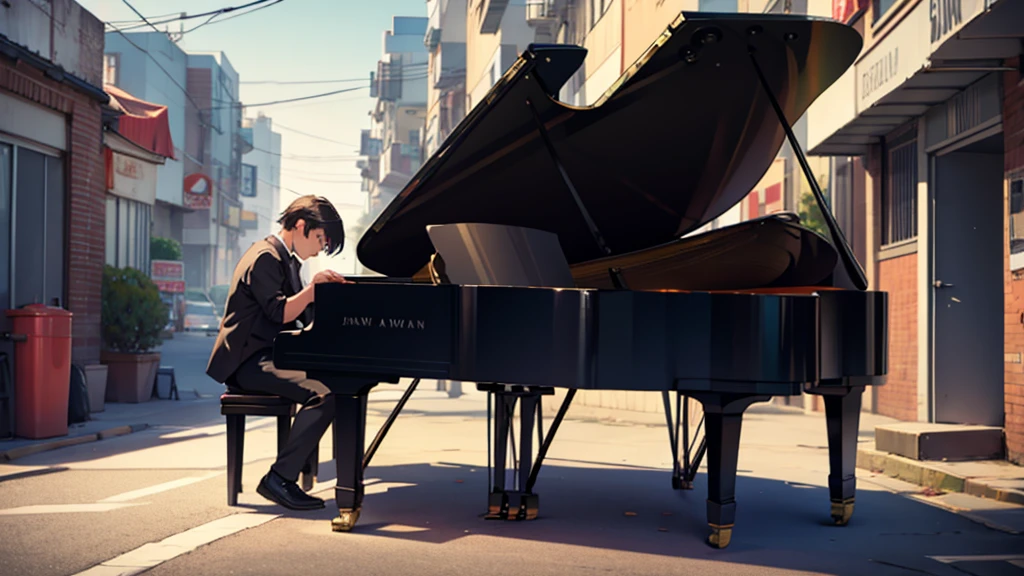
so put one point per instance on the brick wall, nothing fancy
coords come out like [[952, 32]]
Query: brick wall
[[1013, 134], [86, 204], [898, 397]]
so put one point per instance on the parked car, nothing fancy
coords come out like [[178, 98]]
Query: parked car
[[201, 316]]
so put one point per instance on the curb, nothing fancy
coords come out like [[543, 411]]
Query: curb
[[45, 446], [917, 472]]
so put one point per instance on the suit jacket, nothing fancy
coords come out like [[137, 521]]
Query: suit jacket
[[263, 279]]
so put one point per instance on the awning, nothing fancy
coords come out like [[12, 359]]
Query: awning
[[964, 51], [142, 122]]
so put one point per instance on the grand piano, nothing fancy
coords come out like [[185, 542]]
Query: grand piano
[[547, 246]]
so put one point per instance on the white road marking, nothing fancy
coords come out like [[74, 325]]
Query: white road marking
[[132, 495], [149, 555], [980, 558], [64, 508]]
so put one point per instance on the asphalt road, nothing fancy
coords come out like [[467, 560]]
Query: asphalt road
[[156, 499]]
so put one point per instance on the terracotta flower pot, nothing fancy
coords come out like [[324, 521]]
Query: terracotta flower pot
[[96, 382], [130, 377]]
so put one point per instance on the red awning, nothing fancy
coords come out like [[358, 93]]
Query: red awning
[[144, 123]]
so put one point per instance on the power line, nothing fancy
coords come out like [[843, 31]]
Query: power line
[[139, 14], [279, 125], [338, 81], [208, 20], [292, 99], [200, 15], [159, 65]]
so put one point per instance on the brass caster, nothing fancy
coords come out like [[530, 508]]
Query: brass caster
[[529, 507], [841, 512], [345, 521], [720, 536], [497, 506]]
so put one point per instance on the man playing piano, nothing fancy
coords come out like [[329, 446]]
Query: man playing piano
[[265, 297]]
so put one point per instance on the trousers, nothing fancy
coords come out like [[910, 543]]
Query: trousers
[[258, 375]]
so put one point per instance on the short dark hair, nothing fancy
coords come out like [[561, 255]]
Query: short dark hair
[[318, 213]]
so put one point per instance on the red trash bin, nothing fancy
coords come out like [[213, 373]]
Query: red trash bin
[[42, 370]]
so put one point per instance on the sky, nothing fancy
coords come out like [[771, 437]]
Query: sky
[[295, 40]]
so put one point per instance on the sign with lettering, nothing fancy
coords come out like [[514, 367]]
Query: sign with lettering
[[248, 181], [947, 17], [845, 10], [168, 275], [198, 188], [896, 58], [134, 179]]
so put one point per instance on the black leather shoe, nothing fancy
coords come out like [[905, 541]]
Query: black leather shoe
[[275, 488]]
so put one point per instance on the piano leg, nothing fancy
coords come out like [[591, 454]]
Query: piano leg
[[687, 451], [349, 441], [842, 418], [723, 419], [519, 503]]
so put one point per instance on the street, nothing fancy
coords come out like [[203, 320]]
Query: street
[[156, 499]]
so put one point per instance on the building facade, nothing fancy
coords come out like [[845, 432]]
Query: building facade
[[392, 144], [445, 40], [260, 190], [213, 171], [151, 67], [51, 166], [929, 131]]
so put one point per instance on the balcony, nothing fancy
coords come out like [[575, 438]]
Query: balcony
[[450, 66], [433, 36], [493, 12], [369, 146], [399, 164]]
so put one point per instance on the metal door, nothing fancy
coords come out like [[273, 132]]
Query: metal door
[[967, 289]]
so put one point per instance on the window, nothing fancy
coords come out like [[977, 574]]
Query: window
[[899, 192], [717, 5], [1016, 218], [127, 233], [110, 68], [597, 10], [880, 8]]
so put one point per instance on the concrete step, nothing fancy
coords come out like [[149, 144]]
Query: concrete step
[[947, 442], [993, 479]]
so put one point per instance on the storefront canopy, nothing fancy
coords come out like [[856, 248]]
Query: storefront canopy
[[925, 60], [142, 122]]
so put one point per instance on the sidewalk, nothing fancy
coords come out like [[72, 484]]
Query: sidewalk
[[992, 479], [995, 480]]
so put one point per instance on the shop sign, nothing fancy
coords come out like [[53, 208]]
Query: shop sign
[[168, 275], [947, 17], [844, 10], [198, 190], [134, 179], [248, 181], [896, 58]]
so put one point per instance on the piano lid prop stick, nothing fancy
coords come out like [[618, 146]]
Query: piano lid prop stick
[[852, 267], [615, 273], [387, 423]]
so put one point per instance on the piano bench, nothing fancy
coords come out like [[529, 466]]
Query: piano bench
[[236, 406]]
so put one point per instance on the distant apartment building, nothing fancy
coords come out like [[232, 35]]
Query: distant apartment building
[[151, 67], [260, 190], [392, 144], [445, 39], [213, 172]]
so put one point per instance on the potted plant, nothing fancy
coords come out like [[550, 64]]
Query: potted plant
[[133, 316]]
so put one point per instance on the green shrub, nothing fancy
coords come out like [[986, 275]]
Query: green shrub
[[164, 248], [133, 314]]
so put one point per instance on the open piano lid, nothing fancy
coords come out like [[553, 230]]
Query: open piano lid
[[684, 135]]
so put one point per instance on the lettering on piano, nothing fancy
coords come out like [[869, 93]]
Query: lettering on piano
[[395, 323]]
